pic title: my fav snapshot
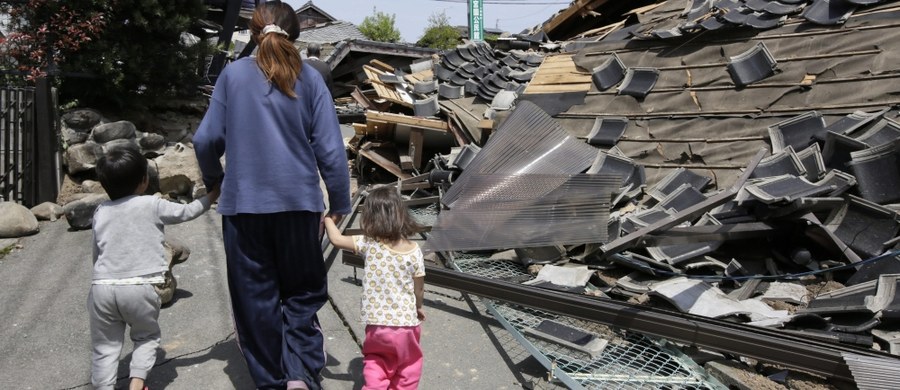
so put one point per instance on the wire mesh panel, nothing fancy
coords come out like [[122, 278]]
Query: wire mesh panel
[[425, 215], [629, 361]]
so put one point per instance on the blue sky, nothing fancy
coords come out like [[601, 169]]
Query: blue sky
[[412, 15]]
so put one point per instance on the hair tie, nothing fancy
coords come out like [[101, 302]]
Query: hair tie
[[273, 28]]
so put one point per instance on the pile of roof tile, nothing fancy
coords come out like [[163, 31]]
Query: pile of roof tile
[[455, 96]]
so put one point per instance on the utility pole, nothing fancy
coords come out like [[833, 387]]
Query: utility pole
[[476, 20]]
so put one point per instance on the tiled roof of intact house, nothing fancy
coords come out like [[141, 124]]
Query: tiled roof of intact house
[[331, 33]]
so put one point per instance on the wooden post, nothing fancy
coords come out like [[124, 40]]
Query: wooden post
[[232, 10], [45, 187], [416, 143]]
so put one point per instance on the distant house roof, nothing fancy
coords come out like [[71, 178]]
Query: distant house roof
[[331, 33], [310, 15], [347, 56]]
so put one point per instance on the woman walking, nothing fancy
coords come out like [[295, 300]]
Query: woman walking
[[273, 118]]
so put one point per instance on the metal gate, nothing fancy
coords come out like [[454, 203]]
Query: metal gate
[[17, 133], [29, 162]]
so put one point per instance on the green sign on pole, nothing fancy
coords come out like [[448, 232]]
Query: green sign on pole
[[476, 20]]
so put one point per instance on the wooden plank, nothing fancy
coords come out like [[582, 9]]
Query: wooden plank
[[381, 65], [604, 31], [362, 99], [643, 9], [560, 61], [561, 67], [461, 139], [562, 88], [561, 79], [388, 165], [379, 128], [360, 128], [559, 74], [557, 58], [416, 144], [406, 162], [577, 7], [424, 123], [419, 77]]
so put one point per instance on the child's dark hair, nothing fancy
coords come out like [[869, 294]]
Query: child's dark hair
[[385, 218], [121, 171]]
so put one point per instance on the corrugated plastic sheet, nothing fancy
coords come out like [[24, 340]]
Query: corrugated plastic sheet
[[529, 141], [525, 210]]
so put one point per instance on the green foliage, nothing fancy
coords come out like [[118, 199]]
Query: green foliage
[[380, 27], [439, 34], [43, 33], [141, 58], [128, 53], [7, 250]]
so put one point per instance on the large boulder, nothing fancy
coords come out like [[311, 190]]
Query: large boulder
[[115, 130], [92, 187], [176, 251], [75, 136], [16, 220], [166, 290], [82, 119], [179, 173], [152, 144], [47, 211], [121, 143], [82, 157], [80, 213]]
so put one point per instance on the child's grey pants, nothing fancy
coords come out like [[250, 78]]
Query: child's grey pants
[[111, 307]]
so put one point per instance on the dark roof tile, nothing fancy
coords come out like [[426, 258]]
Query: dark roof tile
[[828, 12], [609, 73], [752, 65], [607, 131], [638, 82]]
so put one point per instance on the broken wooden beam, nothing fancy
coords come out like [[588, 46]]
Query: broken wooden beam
[[383, 162], [411, 121]]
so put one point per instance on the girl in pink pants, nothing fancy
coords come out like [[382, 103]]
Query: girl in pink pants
[[393, 289]]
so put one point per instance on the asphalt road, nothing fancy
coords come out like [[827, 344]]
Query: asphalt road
[[44, 326]]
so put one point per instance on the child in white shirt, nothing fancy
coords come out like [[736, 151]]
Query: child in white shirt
[[393, 289]]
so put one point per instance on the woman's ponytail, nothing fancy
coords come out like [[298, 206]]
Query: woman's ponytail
[[274, 26]]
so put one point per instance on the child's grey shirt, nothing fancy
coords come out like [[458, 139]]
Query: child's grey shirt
[[129, 234]]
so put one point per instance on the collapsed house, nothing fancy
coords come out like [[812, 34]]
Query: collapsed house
[[732, 163]]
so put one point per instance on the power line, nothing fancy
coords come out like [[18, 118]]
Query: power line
[[509, 2], [527, 15]]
